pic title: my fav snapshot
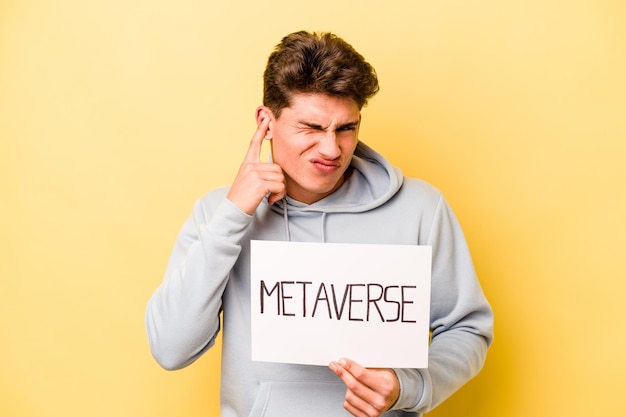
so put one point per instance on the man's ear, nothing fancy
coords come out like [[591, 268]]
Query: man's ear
[[263, 112]]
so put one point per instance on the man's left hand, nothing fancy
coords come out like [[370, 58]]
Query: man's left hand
[[370, 391]]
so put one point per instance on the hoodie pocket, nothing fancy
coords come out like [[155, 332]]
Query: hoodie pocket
[[300, 398]]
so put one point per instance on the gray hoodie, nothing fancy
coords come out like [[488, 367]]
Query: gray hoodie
[[209, 273]]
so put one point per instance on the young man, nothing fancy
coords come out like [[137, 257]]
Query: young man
[[323, 185]]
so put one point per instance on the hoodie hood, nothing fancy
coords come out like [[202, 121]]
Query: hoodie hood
[[371, 183]]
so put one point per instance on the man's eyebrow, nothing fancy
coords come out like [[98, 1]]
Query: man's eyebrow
[[311, 125], [348, 125], [320, 127]]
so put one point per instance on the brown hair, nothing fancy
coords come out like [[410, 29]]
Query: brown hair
[[316, 63]]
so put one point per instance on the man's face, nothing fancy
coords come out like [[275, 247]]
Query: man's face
[[313, 141]]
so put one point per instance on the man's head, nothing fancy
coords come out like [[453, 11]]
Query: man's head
[[316, 63]]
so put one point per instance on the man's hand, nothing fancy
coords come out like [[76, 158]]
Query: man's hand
[[257, 179], [370, 392]]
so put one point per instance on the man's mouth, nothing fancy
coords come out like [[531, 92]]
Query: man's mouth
[[325, 165]]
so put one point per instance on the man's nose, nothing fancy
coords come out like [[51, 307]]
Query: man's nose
[[328, 146]]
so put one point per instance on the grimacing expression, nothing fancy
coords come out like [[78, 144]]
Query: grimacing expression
[[313, 141]]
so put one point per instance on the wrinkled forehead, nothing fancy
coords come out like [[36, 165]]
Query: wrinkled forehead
[[321, 109]]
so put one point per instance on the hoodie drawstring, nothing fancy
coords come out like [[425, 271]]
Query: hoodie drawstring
[[286, 220]]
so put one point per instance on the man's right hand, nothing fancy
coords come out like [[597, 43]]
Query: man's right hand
[[257, 179]]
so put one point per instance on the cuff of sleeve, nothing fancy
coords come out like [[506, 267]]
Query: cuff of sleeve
[[223, 228], [228, 220], [411, 389]]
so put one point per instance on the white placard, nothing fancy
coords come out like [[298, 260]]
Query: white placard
[[313, 303]]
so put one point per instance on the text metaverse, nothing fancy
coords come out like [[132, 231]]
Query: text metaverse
[[353, 302]]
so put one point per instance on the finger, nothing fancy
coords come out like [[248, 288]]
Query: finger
[[254, 150], [277, 196], [358, 407], [360, 373], [356, 401], [351, 367], [368, 389], [341, 368]]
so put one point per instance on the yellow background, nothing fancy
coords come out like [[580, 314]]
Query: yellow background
[[116, 115]]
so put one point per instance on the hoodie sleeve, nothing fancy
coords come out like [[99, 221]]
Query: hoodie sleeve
[[182, 316], [461, 321]]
